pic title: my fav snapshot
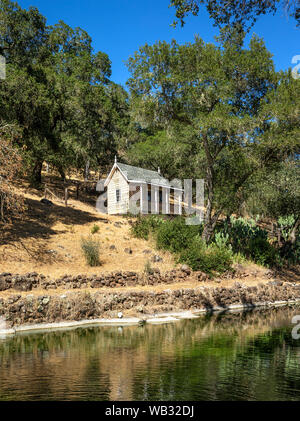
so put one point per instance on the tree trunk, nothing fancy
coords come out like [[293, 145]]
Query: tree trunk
[[209, 226], [209, 221], [2, 198], [293, 233], [36, 175], [62, 173]]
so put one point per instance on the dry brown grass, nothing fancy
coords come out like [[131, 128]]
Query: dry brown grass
[[27, 244]]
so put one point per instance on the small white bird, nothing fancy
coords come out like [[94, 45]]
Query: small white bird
[[120, 315]]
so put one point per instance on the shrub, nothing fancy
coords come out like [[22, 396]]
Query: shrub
[[90, 248], [208, 259], [148, 270], [248, 239], [221, 239], [291, 252], [142, 227], [286, 224], [95, 229], [262, 252], [175, 235]]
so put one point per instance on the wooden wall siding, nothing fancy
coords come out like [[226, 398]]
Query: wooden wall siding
[[117, 182]]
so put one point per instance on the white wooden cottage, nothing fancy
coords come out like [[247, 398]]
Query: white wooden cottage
[[134, 189]]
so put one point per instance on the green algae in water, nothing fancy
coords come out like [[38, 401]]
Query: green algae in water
[[236, 356]]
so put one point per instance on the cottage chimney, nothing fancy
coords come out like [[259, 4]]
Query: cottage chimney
[[115, 159], [158, 170]]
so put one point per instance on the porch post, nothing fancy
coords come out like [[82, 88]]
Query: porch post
[[154, 199], [143, 198], [178, 202], [166, 201]]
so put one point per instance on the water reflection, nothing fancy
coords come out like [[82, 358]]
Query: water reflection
[[237, 356]]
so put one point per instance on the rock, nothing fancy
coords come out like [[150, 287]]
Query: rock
[[268, 274], [45, 301], [239, 268], [237, 285], [112, 247], [13, 299], [156, 259], [276, 283], [128, 250], [46, 202], [185, 269]]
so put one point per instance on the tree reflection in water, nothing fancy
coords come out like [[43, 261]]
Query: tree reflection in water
[[241, 356]]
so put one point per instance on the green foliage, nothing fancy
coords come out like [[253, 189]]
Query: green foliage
[[248, 239], [143, 225], [239, 13], [148, 270], [90, 248], [175, 235], [186, 243], [95, 229], [262, 252], [58, 92], [225, 109], [241, 230], [164, 151], [209, 259], [221, 240], [275, 192], [292, 252], [286, 224]]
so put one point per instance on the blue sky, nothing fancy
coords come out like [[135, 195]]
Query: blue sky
[[120, 27]]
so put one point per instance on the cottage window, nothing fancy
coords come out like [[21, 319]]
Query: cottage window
[[118, 195]]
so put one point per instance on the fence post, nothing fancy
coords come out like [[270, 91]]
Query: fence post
[[66, 196]]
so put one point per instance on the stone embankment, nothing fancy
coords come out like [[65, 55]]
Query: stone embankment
[[28, 309], [32, 281]]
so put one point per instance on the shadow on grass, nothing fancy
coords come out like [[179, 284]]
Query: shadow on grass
[[38, 220], [291, 274]]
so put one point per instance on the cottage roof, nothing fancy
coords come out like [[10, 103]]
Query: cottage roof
[[139, 175]]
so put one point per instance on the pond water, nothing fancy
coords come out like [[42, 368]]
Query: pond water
[[240, 356]]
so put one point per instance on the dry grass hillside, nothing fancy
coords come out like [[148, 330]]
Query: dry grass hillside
[[47, 238]]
